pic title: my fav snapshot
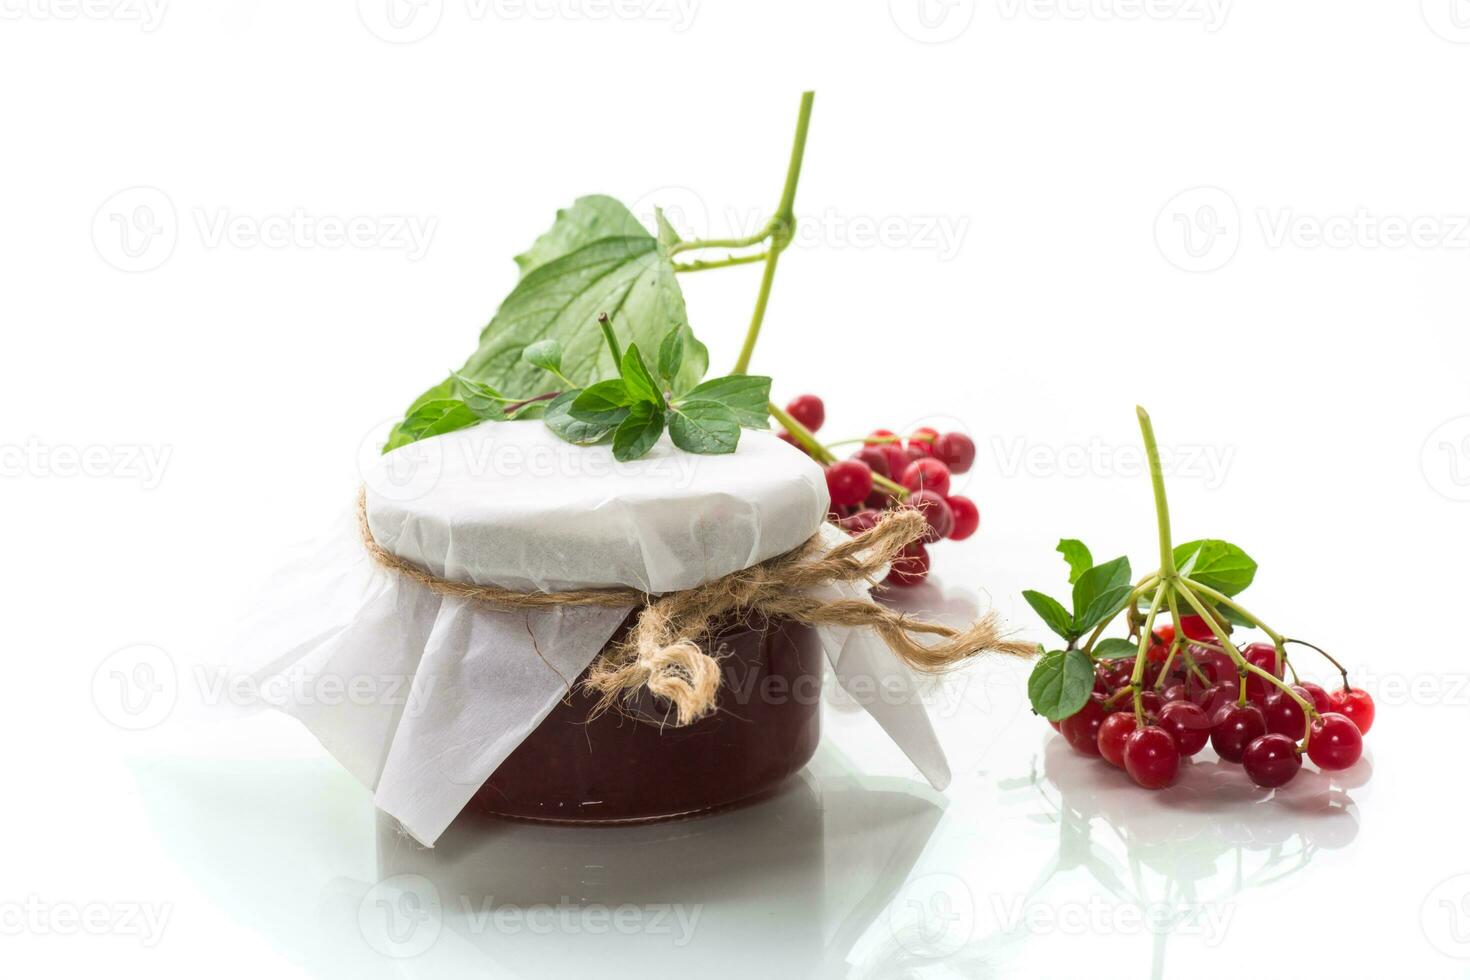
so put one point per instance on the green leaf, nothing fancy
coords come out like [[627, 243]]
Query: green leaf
[[1217, 564], [481, 399], [629, 278], [1060, 683], [640, 383], [560, 421], [671, 353], [437, 417], [704, 427], [603, 403], [666, 234], [1078, 558], [588, 220], [1115, 648], [400, 436], [637, 433], [1100, 592], [545, 354], [746, 395], [1053, 613]]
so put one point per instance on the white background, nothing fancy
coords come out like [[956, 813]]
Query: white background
[[1025, 217]]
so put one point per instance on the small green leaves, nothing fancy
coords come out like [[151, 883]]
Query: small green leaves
[[545, 354], [1060, 683], [1078, 558], [605, 403], [560, 420], [1100, 592], [480, 398], [745, 395], [671, 354], [437, 417], [640, 384], [1053, 613], [637, 433], [704, 427], [1216, 564], [1115, 648]]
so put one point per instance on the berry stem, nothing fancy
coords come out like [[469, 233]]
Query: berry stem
[[605, 323], [780, 229], [1330, 659], [1224, 600], [821, 453], [1167, 571], [1145, 640]]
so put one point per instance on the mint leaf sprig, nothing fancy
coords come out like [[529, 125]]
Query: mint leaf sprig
[[634, 409], [1200, 577]]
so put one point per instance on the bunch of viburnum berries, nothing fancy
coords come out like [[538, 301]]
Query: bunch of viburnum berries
[[888, 471]]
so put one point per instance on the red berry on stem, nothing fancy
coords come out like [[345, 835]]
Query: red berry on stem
[[880, 437], [808, 410], [1165, 633], [924, 436], [911, 566], [849, 481], [955, 450], [860, 522], [1356, 704], [1336, 742], [1188, 724], [927, 474], [936, 514], [1080, 729], [1196, 628], [1319, 697], [1283, 715], [966, 517], [875, 458], [1113, 732], [1151, 757], [1235, 727], [1272, 760]]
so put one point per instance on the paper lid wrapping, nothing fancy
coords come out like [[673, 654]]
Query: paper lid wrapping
[[509, 504]]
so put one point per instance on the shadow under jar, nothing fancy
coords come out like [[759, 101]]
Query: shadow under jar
[[628, 765]]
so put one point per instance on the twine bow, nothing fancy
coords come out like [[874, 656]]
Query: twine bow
[[663, 654]]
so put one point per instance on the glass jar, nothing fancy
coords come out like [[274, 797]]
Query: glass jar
[[628, 766]]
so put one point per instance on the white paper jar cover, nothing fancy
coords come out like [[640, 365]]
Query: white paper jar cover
[[510, 504]]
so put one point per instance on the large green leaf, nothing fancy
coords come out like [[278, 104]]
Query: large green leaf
[[588, 220], [1100, 591], [704, 427], [1053, 613], [629, 278], [1078, 558]]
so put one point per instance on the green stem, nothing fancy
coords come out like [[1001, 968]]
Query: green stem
[[1145, 640], [699, 265], [1224, 600], [612, 340], [780, 229], [1148, 582], [808, 441], [744, 242], [1161, 499]]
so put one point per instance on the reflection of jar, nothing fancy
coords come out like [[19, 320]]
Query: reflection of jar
[[617, 767]]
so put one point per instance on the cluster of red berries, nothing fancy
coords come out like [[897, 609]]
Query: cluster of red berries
[[890, 471], [1183, 710]]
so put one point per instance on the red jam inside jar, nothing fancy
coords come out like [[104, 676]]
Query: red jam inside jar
[[618, 767]]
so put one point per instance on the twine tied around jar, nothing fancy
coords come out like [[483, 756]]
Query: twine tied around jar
[[662, 653]]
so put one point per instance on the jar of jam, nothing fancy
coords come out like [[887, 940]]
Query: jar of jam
[[627, 765]]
